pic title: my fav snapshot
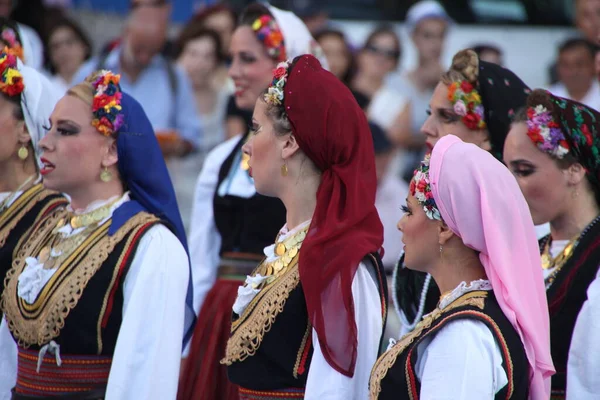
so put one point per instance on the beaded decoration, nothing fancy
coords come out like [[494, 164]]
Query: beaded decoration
[[274, 95], [467, 103], [545, 133], [106, 107], [268, 32], [420, 188], [11, 80]]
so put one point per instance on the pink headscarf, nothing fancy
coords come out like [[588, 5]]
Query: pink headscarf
[[480, 201]]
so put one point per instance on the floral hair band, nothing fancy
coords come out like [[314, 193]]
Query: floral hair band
[[9, 36], [106, 107], [545, 133], [420, 188], [274, 95], [467, 103], [268, 32], [11, 80]]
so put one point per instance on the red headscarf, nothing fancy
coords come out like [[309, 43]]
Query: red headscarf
[[332, 130]]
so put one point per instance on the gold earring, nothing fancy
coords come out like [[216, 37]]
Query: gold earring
[[23, 153], [284, 170], [105, 176]]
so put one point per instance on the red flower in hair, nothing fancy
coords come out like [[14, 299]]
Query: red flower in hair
[[101, 101], [466, 87], [587, 134], [412, 187], [565, 144], [553, 124], [530, 113], [422, 186], [279, 72], [265, 19], [16, 88], [471, 120], [535, 135]]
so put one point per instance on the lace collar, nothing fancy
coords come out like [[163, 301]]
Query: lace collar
[[481, 284]]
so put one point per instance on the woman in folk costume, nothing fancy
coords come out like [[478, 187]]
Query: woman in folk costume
[[96, 297], [553, 149], [26, 101], [308, 322], [231, 222], [468, 225], [474, 100]]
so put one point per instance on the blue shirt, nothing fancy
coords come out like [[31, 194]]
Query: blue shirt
[[167, 109]]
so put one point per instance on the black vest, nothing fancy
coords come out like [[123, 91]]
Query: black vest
[[400, 381], [30, 208], [566, 296], [92, 325], [246, 225], [283, 357]]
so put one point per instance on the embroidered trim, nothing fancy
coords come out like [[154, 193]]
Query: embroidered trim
[[299, 367], [38, 323], [17, 210], [249, 330], [389, 358]]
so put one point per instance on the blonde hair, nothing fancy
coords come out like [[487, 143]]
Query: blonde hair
[[84, 91], [465, 67]]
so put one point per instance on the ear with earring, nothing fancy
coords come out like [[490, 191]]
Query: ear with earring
[[105, 175], [23, 153], [284, 169]]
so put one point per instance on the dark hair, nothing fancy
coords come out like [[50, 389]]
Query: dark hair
[[350, 54], [574, 43], [253, 12], [386, 30], [208, 12], [541, 97], [481, 48], [65, 22], [193, 31], [16, 101]]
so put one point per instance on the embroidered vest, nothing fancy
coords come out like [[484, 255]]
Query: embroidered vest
[[566, 296], [246, 225], [25, 212], [80, 308], [393, 376], [271, 342]]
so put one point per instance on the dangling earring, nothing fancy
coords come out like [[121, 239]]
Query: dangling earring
[[105, 176], [284, 170], [23, 153], [441, 248]]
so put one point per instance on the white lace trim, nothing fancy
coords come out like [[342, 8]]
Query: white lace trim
[[481, 284], [248, 291], [34, 276]]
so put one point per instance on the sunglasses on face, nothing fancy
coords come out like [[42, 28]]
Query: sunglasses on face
[[391, 54]]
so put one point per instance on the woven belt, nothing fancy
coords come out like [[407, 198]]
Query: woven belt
[[81, 377], [292, 393]]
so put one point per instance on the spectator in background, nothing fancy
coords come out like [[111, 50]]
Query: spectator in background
[[198, 52], [68, 48], [489, 53], [427, 23], [311, 13], [577, 73], [221, 19], [338, 53], [162, 88], [379, 56]]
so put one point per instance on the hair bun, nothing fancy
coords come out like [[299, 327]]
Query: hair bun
[[466, 63]]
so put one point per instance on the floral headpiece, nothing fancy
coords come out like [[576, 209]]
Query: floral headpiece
[[268, 32], [106, 107], [9, 36], [545, 133], [420, 188], [11, 80], [467, 104], [274, 95]]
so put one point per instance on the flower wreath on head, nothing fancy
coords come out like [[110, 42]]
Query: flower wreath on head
[[268, 32], [420, 188], [274, 95], [467, 103], [9, 36], [106, 106], [11, 80], [545, 133]]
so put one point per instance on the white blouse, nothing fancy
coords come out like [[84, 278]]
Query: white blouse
[[147, 355], [462, 361], [324, 382]]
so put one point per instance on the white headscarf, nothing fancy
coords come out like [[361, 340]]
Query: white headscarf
[[37, 102], [296, 36]]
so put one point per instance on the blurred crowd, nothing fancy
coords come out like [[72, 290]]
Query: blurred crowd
[[183, 84]]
